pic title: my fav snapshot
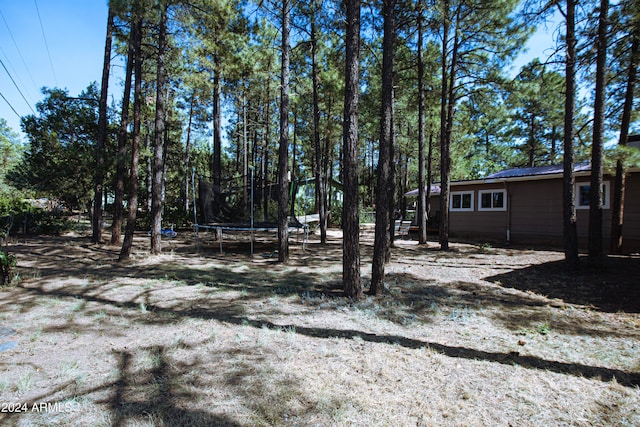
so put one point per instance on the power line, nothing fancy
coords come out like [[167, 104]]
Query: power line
[[45, 43], [10, 106], [6, 58], [14, 83], [19, 51]]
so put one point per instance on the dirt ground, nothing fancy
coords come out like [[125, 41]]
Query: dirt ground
[[474, 336]]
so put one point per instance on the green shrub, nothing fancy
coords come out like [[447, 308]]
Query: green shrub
[[50, 223], [7, 264], [13, 206], [21, 215]]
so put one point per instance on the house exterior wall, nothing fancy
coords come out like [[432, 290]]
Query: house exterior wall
[[536, 211], [479, 224], [631, 227], [533, 214]]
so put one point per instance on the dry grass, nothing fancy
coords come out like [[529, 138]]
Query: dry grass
[[476, 336]]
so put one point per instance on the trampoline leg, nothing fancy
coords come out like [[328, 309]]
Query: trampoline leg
[[306, 238], [219, 231]]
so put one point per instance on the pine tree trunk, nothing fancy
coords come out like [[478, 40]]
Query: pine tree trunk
[[265, 149], [421, 215], [136, 38], [569, 205], [328, 168], [165, 141], [429, 174], [393, 186], [617, 214], [283, 149], [328, 158], [245, 152], [217, 141], [158, 141], [384, 196], [102, 136], [187, 149], [350, 214], [595, 203], [149, 160], [118, 208], [446, 127], [532, 142], [321, 197]]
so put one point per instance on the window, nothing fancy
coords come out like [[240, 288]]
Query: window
[[583, 194], [492, 200], [462, 201]]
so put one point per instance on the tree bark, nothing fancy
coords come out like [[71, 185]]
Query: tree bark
[[568, 204], [187, 149], [149, 160], [392, 179], [532, 141], [429, 174], [422, 199], [384, 195], [265, 150], [136, 36], [217, 141], [245, 152], [102, 136], [617, 214], [283, 149], [321, 197], [595, 193], [158, 145], [446, 127], [350, 214], [118, 208]]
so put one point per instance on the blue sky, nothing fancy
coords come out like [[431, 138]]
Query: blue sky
[[74, 31]]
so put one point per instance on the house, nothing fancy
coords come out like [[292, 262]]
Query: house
[[524, 206]]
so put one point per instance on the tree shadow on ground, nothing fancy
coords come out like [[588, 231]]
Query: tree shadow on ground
[[153, 387], [232, 314], [255, 283], [613, 287], [421, 300], [311, 276], [154, 395]]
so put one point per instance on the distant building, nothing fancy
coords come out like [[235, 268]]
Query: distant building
[[524, 206]]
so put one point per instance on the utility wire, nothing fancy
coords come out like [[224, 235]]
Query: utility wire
[[45, 43], [10, 106], [6, 58], [19, 52], [14, 83]]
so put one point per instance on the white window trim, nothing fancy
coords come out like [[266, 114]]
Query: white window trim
[[455, 193], [498, 190], [607, 194]]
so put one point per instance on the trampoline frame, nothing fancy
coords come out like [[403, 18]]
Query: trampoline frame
[[228, 227]]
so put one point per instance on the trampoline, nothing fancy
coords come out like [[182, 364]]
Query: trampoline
[[251, 227]]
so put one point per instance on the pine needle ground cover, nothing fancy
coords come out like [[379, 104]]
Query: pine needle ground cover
[[474, 336]]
